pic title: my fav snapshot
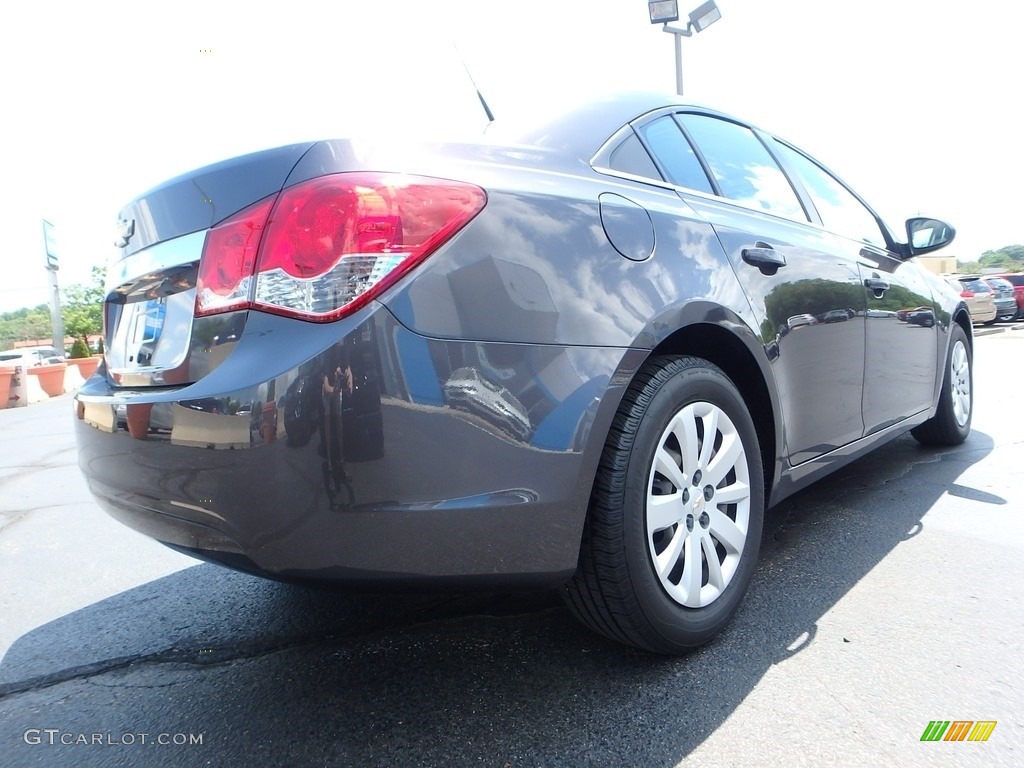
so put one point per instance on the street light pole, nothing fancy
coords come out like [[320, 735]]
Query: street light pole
[[664, 11], [679, 35], [679, 60]]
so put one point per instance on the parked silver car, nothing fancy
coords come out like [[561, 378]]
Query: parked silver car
[[1006, 303]]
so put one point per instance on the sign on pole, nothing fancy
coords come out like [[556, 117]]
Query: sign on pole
[[56, 321], [50, 246]]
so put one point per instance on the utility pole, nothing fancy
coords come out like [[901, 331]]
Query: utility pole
[[56, 321]]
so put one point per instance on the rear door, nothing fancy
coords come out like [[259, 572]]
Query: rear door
[[804, 290]]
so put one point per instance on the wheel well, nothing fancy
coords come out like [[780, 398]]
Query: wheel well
[[719, 346], [964, 321]]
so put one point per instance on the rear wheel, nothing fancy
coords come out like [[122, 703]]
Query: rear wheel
[[952, 420], [674, 526]]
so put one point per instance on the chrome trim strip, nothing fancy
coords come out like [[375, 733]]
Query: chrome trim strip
[[157, 258]]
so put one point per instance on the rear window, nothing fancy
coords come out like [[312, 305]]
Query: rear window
[[676, 155], [1015, 279], [631, 157], [976, 286]]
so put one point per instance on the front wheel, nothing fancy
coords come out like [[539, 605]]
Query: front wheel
[[672, 535], [952, 420]]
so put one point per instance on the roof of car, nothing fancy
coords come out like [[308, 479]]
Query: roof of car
[[585, 124]]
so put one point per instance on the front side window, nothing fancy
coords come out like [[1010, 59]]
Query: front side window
[[742, 166], [841, 212]]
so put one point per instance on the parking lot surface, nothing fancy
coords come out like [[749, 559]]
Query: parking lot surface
[[887, 597]]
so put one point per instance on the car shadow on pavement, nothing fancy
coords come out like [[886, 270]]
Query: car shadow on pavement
[[273, 674]]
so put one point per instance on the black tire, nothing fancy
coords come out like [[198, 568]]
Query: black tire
[[617, 590], [951, 423]]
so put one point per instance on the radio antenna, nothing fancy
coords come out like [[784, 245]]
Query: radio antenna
[[483, 102]]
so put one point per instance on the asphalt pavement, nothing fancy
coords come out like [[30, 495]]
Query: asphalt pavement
[[887, 597]]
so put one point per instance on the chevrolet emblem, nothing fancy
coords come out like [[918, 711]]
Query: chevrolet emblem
[[125, 230]]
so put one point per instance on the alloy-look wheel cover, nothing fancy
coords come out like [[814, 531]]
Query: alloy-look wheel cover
[[698, 505], [960, 382]]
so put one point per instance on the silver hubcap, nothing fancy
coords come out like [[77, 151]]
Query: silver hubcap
[[698, 505], [960, 382]]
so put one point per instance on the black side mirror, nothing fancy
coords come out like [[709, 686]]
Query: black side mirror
[[924, 235]]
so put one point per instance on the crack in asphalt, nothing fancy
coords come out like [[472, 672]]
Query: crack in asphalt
[[27, 470], [10, 517], [218, 656]]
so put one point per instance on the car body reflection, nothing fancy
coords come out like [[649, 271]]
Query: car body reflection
[[469, 391]]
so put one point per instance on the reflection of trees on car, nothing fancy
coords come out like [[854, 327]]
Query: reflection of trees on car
[[819, 297], [812, 296]]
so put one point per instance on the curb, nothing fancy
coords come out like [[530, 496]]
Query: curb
[[1002, 329]]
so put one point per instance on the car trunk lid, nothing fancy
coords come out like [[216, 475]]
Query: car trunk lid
[[151, 335]]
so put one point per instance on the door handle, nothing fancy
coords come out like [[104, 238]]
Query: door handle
[[876, 284], [764, 257]]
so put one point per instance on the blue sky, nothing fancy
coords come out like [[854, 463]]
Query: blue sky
[[908, 100]]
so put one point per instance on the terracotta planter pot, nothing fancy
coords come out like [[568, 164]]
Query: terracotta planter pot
[[138, 419], [6, 374], [269, 426], [51, 377], [86, 365]]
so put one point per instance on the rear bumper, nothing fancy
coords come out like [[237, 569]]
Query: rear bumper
[[1006, 307], [422, 471]]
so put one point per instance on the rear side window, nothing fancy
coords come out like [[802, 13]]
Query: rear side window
[[743, 168], [1015, 279], [673, 151], [631, 157]]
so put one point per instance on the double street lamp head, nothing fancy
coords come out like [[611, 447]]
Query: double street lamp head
[[664, 11]]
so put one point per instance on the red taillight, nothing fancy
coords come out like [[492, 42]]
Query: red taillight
[[967, 294], [331, 244], [228, 261]]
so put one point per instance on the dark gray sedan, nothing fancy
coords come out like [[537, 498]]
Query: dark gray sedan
[[564, 354]]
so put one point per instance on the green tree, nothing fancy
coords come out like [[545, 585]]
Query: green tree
[[24, 324], [1009, 257], [82, 307]]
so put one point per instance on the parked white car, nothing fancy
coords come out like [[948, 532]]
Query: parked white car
[[28, 357]]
